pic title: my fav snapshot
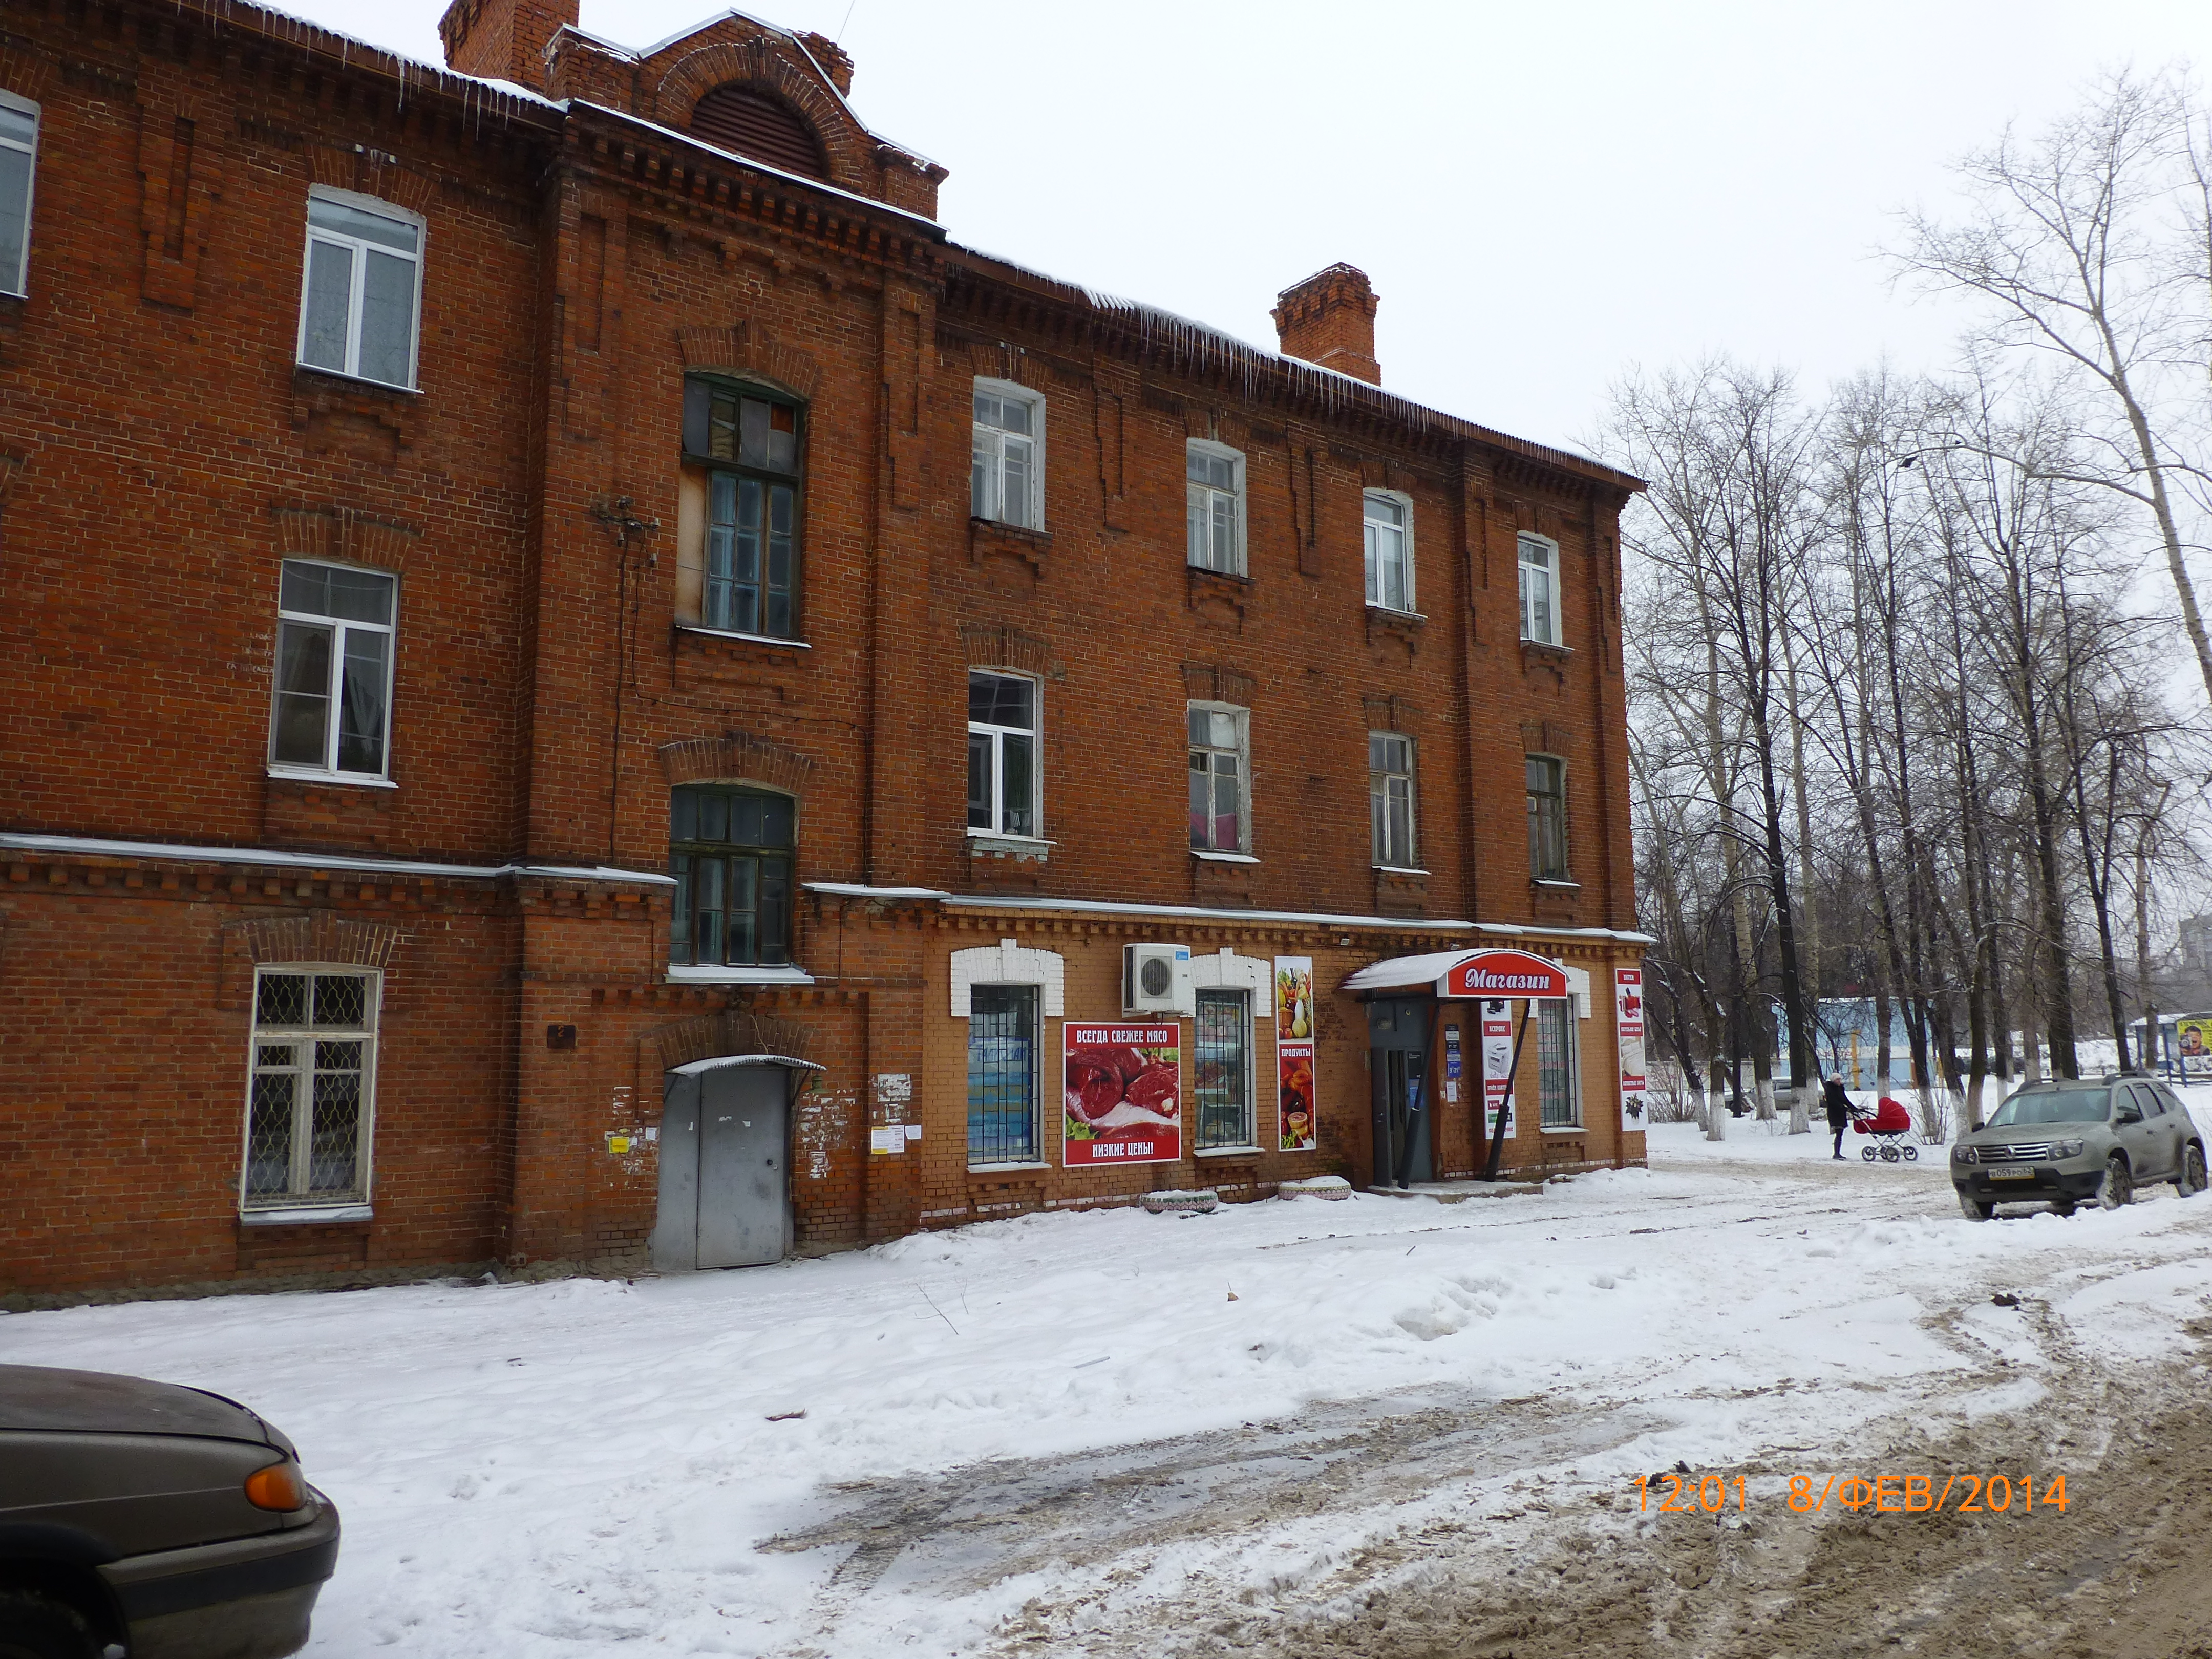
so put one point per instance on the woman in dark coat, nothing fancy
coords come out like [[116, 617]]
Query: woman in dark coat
[[1840, 1111]]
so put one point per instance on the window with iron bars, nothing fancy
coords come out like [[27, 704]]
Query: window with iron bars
[[1222, 1067], [310, 1107], [1556, 1091], [1002, 1074]]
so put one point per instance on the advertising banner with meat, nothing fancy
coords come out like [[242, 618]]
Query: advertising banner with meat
[[1294, 1053], [1628, 1026], [1498, 1067], [1124, 1095]]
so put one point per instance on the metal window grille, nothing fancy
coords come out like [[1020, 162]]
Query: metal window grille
[[1556, 1094], [1217, 766], [1002, 772], [1222, 1059], [333, 705], [1390, 797], [1002, 1074], [308, 1106], [1547, 818], [730, 851]]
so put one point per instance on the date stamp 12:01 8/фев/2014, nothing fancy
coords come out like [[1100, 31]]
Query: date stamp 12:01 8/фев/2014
[[1882, 1494]]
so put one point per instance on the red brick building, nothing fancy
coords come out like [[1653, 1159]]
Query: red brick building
[[498, 563]]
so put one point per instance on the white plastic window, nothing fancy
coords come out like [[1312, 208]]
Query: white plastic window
[[333, 703], [1007, 478], [362, 289], [1215, 515], [19, 154], [1002, 754], [1389, 548], [1539, 589]]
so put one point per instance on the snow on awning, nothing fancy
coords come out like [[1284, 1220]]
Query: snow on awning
[[1460, 974], [720, 1060]]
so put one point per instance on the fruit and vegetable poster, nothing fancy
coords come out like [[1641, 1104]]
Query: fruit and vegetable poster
[[1294, 1052], [1628, 1025], [1124, 1095]]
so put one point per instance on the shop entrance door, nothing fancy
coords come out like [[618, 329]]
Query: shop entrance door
[[725, 1186], [1398, 1067]]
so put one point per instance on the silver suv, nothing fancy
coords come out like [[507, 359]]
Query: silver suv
[[2065, 1141]]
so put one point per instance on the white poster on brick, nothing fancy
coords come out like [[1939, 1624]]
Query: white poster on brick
[[1498, 1067], [1628, 1029]]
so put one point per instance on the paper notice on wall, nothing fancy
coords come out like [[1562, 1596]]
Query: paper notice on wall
[[1628, 1025], [1123, 1102], [1497, 1068], [884, 1141], [1296, 1117]]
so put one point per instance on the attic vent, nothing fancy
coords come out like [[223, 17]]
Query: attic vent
[[753, 123]]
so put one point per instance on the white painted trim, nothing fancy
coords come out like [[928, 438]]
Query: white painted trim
[[1227, 971], [1008, 962], [691, 974], [304, 1216]]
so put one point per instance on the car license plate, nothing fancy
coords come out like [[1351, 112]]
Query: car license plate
[[2012, 1175]]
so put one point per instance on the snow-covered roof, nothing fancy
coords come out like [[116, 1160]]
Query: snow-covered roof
[[1399, 972], [93, 847]]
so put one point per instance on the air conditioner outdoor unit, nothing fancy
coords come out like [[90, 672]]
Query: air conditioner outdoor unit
[[1156, 980]]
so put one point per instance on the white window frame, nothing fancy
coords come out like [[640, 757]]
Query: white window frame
[[360, 250], [1198, 502], [1378, 804], [18, 282], [998, 735], [1549, 572], [339, 627], [993, 439], [297, 1198], [1244, 753], [1371, 549]]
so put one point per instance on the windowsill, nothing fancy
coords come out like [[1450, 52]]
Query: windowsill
[[1392, 613], [984, 843], [1222, 858], [1566, 1129], [1555, 884], [1225, 1151], [1237, 576], [306, 1216], [1540, 647], [356, 381], [1010, 528], [680, 974], [748, 639], [1397, 870], [352, 779], [1003, 1168]]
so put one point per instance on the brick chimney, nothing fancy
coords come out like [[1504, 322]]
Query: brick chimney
[[835, 62], [503, 39], [1329, 319]]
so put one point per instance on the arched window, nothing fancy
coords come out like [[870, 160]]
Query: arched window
[[730, 849], [754, 123]]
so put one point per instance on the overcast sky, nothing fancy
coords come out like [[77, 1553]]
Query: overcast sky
[[1544, 195]]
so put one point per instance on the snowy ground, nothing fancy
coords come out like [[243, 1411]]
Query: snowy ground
[[1062, 1428]]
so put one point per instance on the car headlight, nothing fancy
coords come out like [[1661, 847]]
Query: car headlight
[[2066, 1149], [279, 1486], [1965, 1155]]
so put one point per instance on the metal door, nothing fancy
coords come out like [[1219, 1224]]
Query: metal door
[[724, 1192], [1398, 1039]]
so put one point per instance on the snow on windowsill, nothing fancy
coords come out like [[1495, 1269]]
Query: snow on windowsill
[[1391, 612], [1397, 870], [718, 1061], [341, 376], [1225, 1151], [1222, 858], [684, 973], [1557, 883], [1546, 646], [749, 639], [1002, 1169], [306, 1216], [351, 780]]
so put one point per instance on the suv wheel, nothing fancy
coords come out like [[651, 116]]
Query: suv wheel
[[1974, 1209], [2118, 1187], [2190, 1180], [33, 1627]]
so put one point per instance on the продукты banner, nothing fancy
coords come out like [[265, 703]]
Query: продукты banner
[[1294, 1053]]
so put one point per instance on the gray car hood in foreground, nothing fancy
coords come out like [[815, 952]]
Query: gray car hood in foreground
[[40, 1398]]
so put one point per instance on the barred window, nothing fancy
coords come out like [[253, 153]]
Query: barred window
[[1002, 1074], [1223, 1065], [737, 510], [731, 849], [309, 1114], [1558, 1088]]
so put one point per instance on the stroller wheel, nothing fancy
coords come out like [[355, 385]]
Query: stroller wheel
[[1889, 1154], [1912, 1155], [1868, 1154]]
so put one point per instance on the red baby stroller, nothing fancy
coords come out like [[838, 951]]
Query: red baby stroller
[[1889, 1124]]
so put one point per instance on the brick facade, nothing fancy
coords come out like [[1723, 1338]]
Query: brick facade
[[162, 451]]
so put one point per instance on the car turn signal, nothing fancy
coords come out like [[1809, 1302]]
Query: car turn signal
[[279, 1486]]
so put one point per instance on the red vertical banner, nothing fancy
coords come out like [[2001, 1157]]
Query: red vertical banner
[[1497, 1068], [1296, 1119], [1628, 1027], [1124, 1095]]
